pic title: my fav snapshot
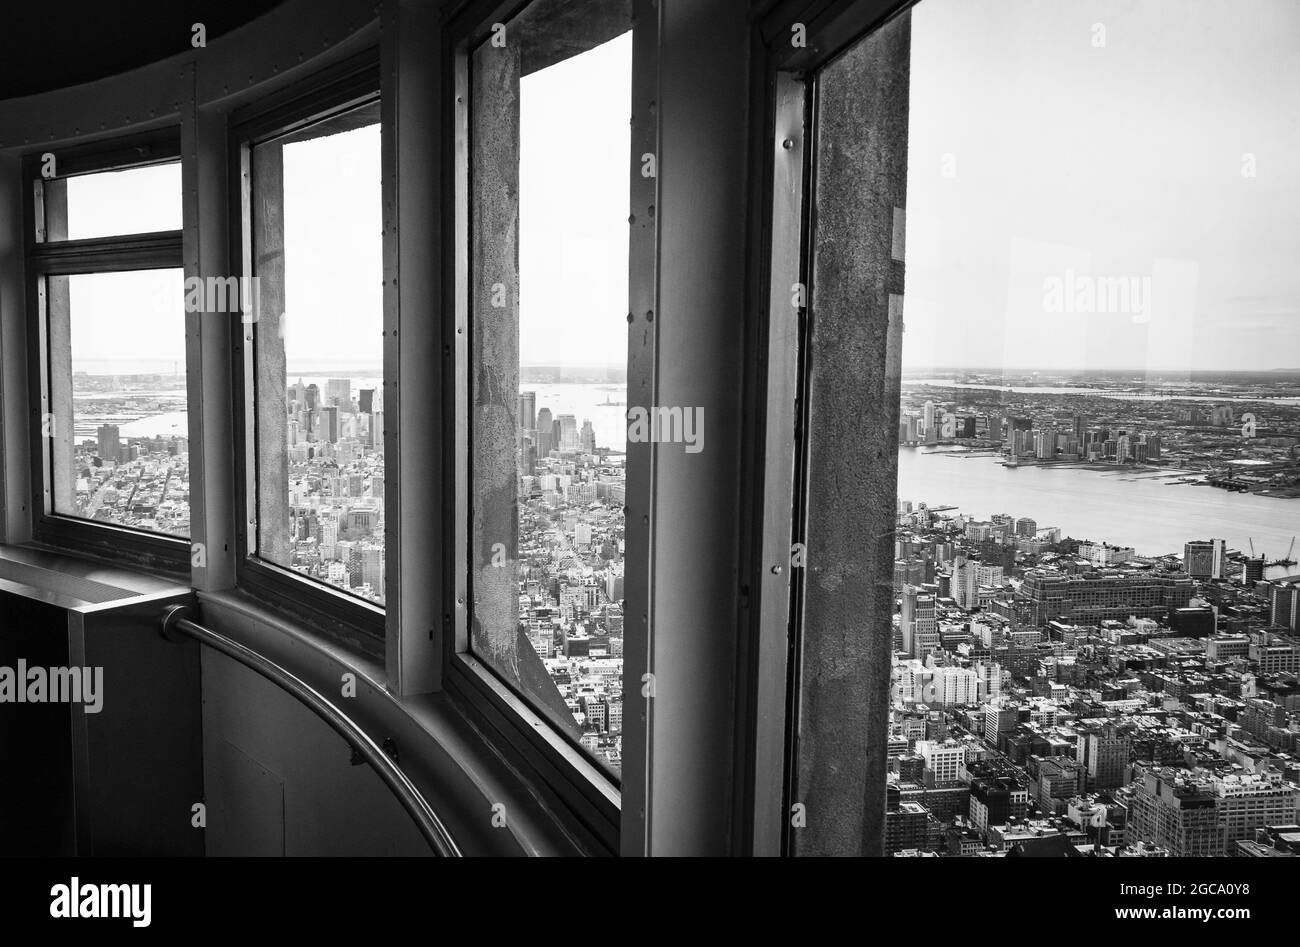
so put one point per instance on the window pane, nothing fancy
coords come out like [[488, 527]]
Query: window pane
[[118, 428], [549, 365], [317, 225], [112, 203], [1098, 483]]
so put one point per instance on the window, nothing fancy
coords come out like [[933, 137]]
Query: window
[[111, 203], [1092, 418], [549, 105], [316, 359], [109, 302], [1096, 459], [126, 398]]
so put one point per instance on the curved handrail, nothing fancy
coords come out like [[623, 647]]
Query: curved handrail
[[435, 833]]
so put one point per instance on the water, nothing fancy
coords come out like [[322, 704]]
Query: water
[[585, 402], [1122, 507], [1097, 392]]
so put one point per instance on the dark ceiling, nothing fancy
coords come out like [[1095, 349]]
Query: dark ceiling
[[46, 46]]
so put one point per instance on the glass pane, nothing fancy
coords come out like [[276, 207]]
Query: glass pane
[[112, 203], [1098, 483], [317, 232], [549, 365], [118, 427]]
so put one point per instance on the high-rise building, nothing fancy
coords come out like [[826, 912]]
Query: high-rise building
[[1026, 527], [329, 423], [1252, 570], [918, 623], [1104, 754], [110, 445], [1205, 559], [527, 419], [968, 575], [366, 400], [338, 391], [567, 439], [1000, 716], [1284, 605], [954, 687], [587, 438], [545, 433]]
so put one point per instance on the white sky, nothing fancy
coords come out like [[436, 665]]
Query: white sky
[[575, 144], [333, 238], [1120, 160]]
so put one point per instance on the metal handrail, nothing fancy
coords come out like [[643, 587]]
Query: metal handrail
[[435, 833]]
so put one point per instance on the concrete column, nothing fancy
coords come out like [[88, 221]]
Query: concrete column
[[494, 351], [272, 414], [856, 325]]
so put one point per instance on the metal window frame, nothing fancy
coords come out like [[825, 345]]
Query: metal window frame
[[783, 162], [598, 809], [154, 552], [335, 90]]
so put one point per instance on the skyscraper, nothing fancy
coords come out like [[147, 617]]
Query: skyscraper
[[917, 622], [1284, 606], [545, 433], [1252, 570], [568, 434], [338, 391], [1104, 754], [588, 438], [330, 423], [527, 410], [110, 445], [1205, 559]]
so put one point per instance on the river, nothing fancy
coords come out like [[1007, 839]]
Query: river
[[1120, 507], [1121, 394]]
